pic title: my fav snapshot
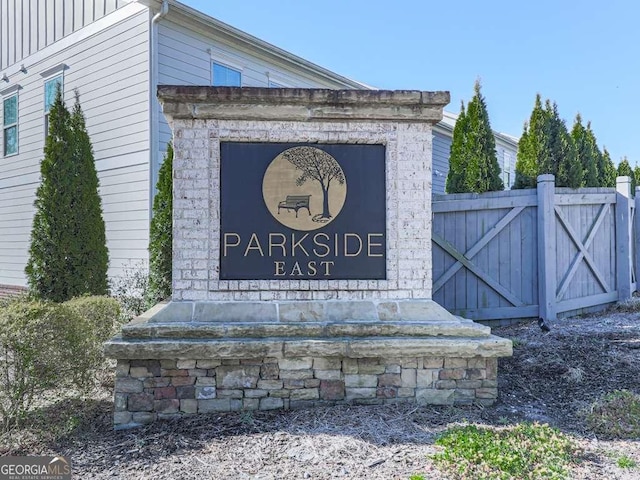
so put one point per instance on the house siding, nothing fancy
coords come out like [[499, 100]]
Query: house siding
[[31, 25], [185, 56], [110, 70], [441, 148]]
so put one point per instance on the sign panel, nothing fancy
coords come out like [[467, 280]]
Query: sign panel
[[302, 211]]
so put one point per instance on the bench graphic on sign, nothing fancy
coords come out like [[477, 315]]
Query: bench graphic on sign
[[295, 202], [304, 178]]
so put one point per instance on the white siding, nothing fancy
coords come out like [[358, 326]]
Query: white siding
[[110, 69], [507, 153], [441, 150], [185, 56], [27, 26]]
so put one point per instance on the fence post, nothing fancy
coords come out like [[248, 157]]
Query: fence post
[[623, 238], [546, 247], [636, 251]]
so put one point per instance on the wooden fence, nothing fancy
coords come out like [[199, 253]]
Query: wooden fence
[[534, 253]]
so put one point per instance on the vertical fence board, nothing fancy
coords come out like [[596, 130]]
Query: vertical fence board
[[471, 236], [546, 248], [637, 237], [623, 252]]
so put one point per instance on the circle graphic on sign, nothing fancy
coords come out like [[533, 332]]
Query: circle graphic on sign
[[304, 188]]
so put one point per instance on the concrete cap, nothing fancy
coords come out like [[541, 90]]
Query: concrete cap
[[301, 104]]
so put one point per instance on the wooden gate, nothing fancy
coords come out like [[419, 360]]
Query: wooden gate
[[484, 254], [530, 253]]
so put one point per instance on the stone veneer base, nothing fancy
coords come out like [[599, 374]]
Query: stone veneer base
[[185, 358], [148, 390]]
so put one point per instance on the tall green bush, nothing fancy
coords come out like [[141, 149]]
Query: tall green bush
[[68, 256], [586, 152], [532, 148], [563, 159], [473, 150], [457, 155], [607, 171], [161, 234]]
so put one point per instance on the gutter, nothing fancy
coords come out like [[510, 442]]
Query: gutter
[[153, 103]]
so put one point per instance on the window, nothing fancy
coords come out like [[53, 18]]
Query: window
[[507, 168], [10, 125], [224, 76], [50, 88], [277, 81]]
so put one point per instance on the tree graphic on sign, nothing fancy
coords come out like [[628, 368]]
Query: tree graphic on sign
[[317, 165]]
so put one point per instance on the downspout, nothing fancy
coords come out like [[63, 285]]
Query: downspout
[[153, 104]]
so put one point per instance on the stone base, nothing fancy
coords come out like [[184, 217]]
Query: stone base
[[170, 364], [146, 390]]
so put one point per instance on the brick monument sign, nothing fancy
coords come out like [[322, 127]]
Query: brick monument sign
[[301, 261]]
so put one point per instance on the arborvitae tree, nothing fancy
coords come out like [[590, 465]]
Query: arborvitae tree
[[597, 155], [570, 169], [607, 171], [68, 255], [558, 151], [457, 156], [553, 145], [93, 256], [161, 234], [625, 170], [477, 159], [532, 148], [586, 151]]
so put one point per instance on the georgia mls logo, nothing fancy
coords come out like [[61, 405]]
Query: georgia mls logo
[[304, 188], [34, 468]]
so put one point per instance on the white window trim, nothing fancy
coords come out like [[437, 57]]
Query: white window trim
[[219, 57], [6, 94], [44, 92], [277, 79], [54, 71]]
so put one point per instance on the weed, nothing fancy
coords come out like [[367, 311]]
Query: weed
[[417, 476], [526, 451], [616, 415], [626, 462], [246, 417]]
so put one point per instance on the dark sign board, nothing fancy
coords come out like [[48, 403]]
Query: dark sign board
[[302, 211]]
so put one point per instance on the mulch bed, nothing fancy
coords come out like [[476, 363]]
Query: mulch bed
[[552, 378]]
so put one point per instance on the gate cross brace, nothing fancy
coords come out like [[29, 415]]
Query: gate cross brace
[[582, 251], [464, 260]]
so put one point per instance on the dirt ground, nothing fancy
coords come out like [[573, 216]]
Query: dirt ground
[[552, 378]]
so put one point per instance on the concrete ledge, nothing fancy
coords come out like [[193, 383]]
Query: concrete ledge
[[191, 330], [366, 347], [297, 311], [301, 104]]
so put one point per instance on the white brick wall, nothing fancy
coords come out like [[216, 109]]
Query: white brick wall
[[197, 206]]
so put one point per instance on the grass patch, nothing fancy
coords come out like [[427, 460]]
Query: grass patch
[[626, 462], [616, 415], [526, 451]]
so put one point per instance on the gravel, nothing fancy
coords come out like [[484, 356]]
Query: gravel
[[552, 378]]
